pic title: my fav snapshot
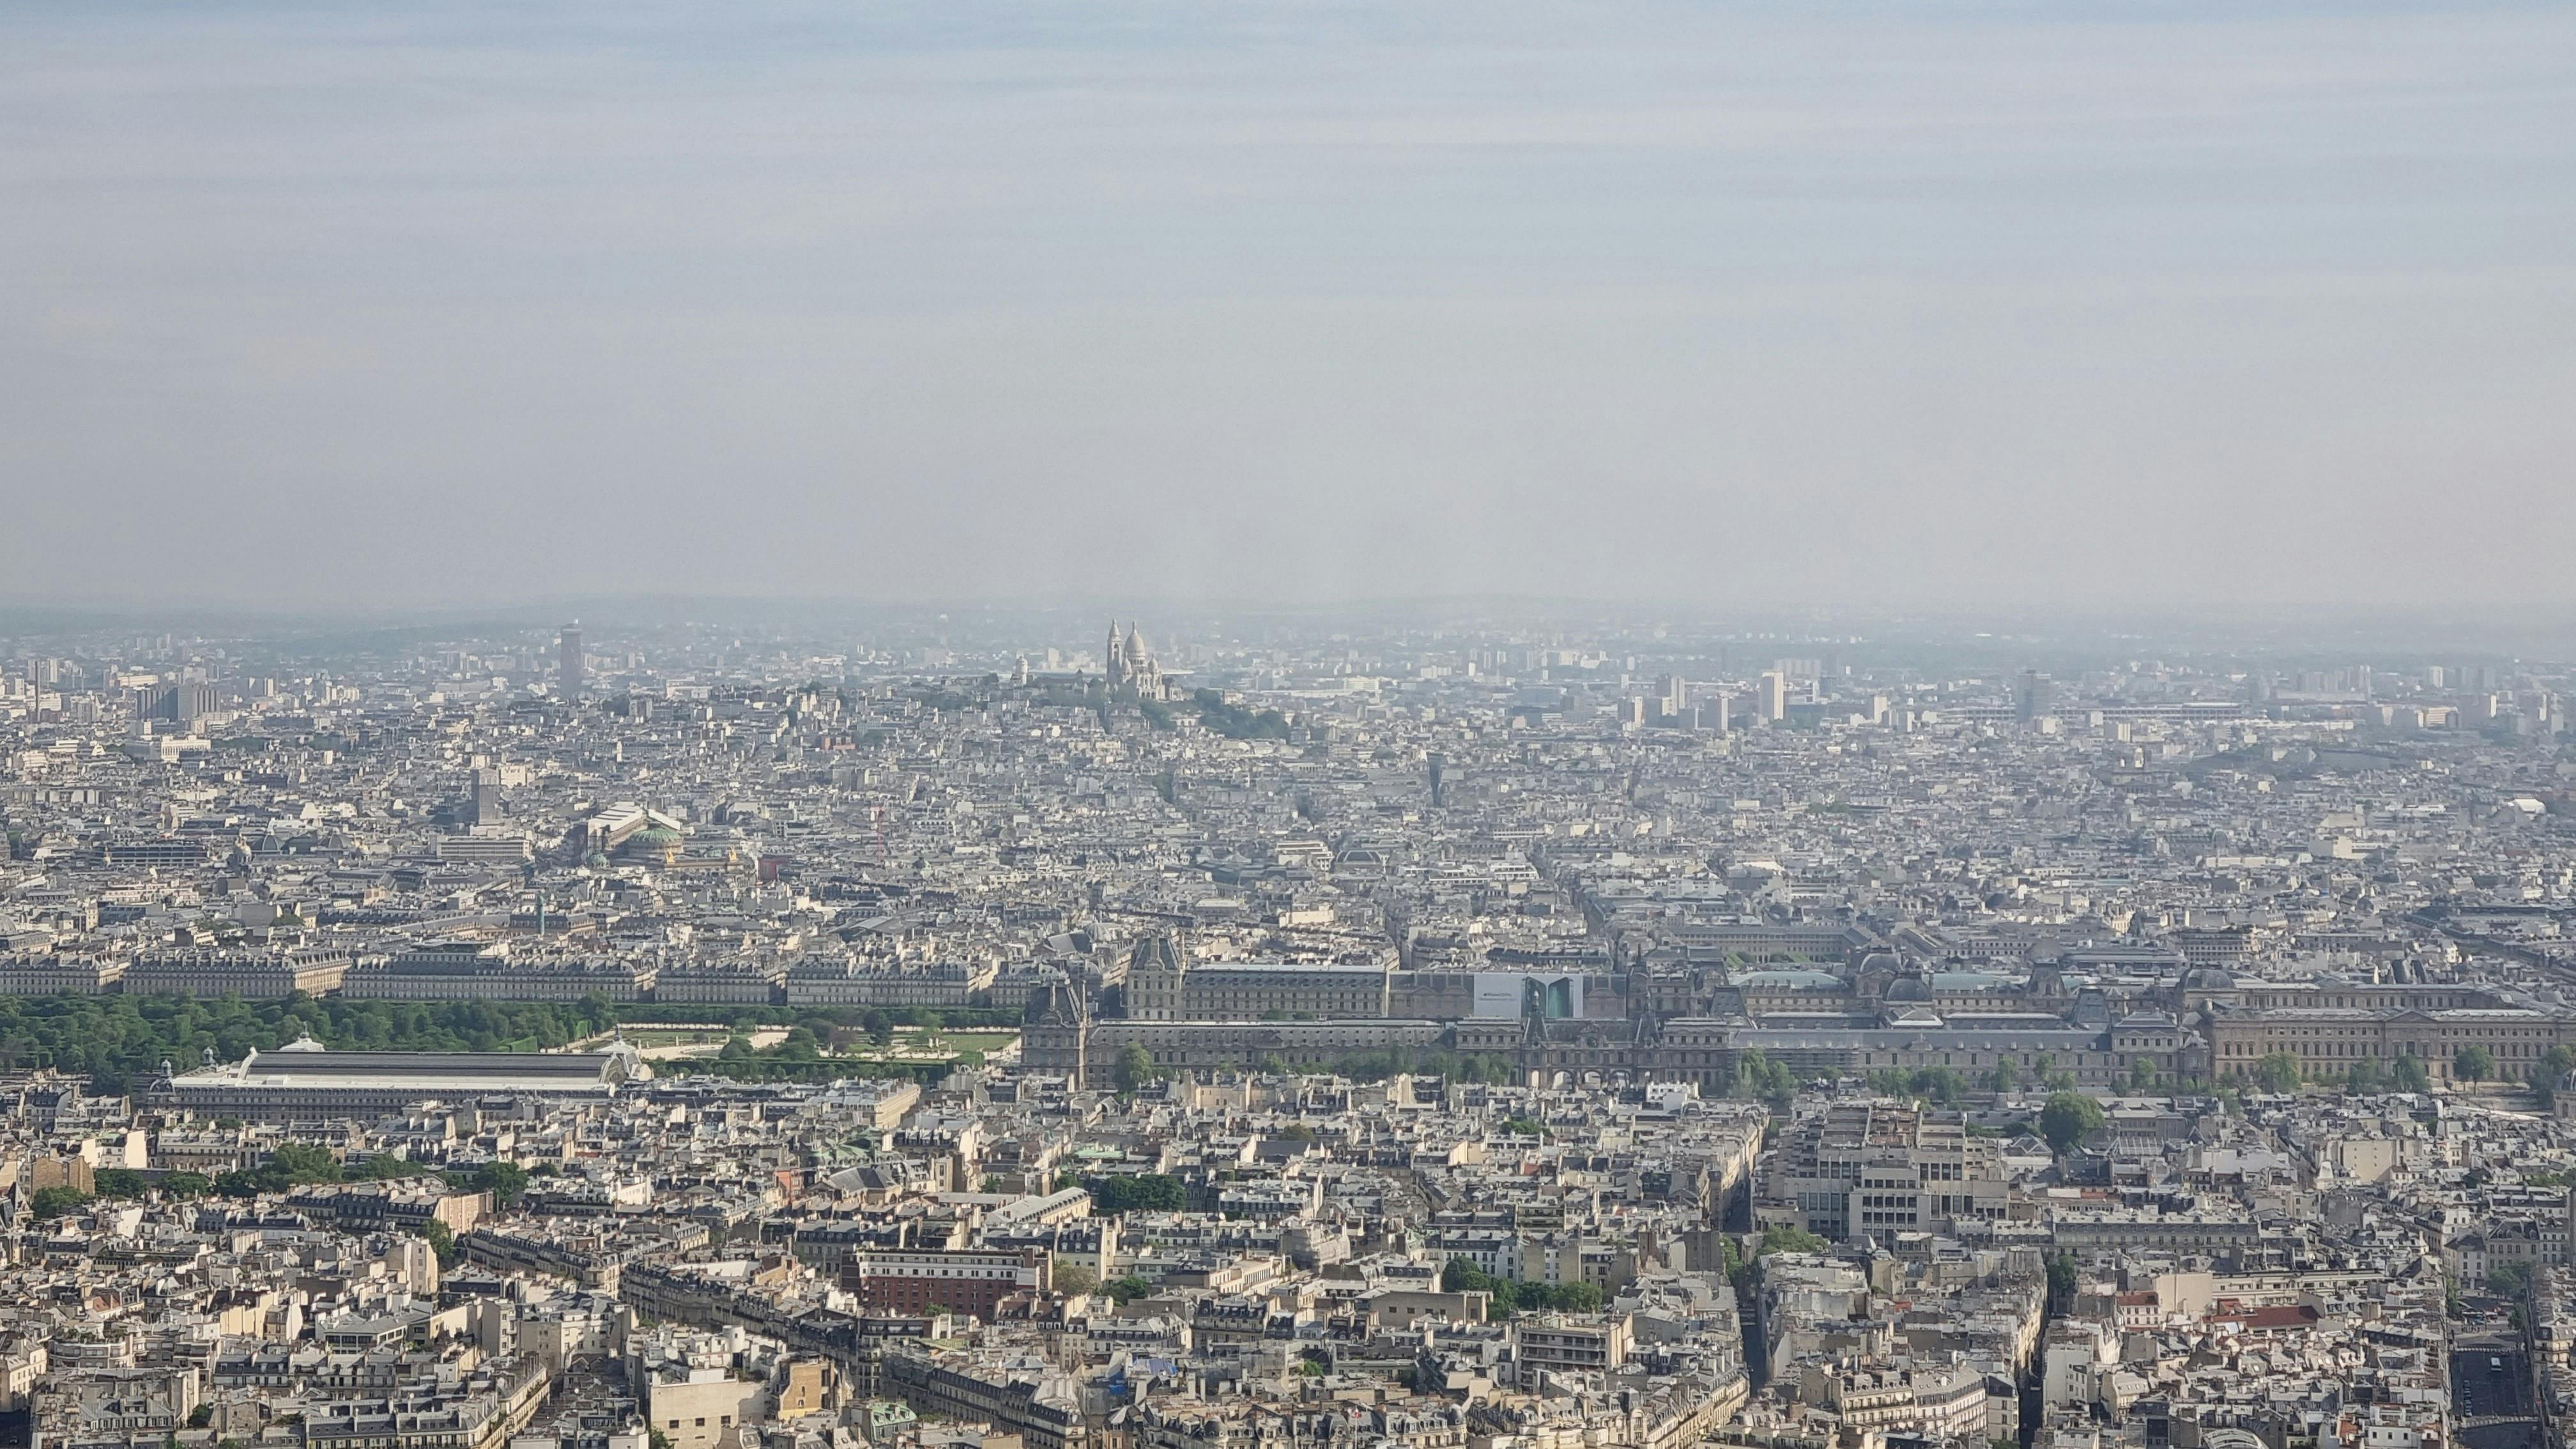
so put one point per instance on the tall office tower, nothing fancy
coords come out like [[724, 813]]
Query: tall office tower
[[485, 807], [1775, 695], [185, 703], [1713, 712], [2036, 697], [1439, 764], [1672, 697], [568, 645]]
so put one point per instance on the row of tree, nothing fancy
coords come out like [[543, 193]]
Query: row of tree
[[1150, 1192], [1134, 1066], [878, 1022], [1948, 1086], [1778, 1238], [2275, 1072], [2281, 1072], [121, 1040], [1758, 1076], [1514, 1295], [292, 1165]]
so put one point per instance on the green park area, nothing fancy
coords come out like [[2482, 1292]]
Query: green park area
[[120, 1042], [890, 1043]]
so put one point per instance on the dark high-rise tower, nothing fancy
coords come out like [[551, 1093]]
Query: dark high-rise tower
[[568, 647], [2036, 697]]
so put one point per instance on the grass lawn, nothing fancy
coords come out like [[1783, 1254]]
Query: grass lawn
[[915, 1044]]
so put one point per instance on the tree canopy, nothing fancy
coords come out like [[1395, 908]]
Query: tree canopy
[[1757, 1075], [120, 1041], [2068, 1119], [1134, 1067], [2278, 1072], [1941, 1086], [53, 1202], [1236, 722], [1512, 1295], [1152, 1191]]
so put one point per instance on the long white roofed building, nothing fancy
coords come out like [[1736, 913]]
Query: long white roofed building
[[305, 1080]]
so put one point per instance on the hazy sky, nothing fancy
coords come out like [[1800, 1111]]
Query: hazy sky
[[1843, 304]]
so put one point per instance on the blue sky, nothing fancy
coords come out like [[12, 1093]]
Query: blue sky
[[1866, 304]]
